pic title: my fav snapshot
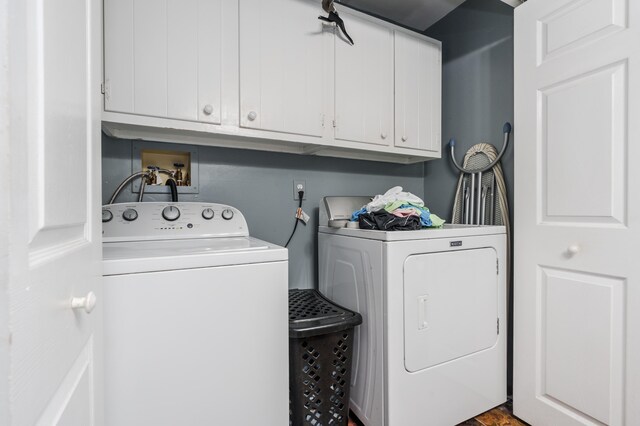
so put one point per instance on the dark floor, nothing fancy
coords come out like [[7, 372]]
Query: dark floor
[[499, 416]]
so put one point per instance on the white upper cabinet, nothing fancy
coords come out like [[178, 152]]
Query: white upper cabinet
[[283, 78], [364, 83], [418, 100], [269, 75], [164, 58]]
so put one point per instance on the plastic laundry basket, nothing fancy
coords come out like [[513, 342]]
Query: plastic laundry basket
[[320, 353]]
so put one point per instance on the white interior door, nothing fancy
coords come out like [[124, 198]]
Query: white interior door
[[54, 229], [577, 223]]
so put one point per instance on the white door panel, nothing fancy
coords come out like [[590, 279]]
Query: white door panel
[[182, 47], [119, 56], [283, 78], [54, 377], [213, 37], [364, 84], [418, 100], [150, 56], [577, 23], [577, 294], [75, 394], [164, 58], [568, 360], [570, 119]]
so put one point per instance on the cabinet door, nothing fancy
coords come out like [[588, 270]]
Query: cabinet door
[[283, 78], [163, 58], [418, 93], [364, 83]]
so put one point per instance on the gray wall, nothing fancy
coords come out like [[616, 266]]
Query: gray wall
[[260, 184], [477, 40]]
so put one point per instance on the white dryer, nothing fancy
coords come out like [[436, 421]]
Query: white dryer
[[196, 318], [432, 347]]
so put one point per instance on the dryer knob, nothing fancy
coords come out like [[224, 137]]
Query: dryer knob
[[171, 213], [227, 214], [130, 215]]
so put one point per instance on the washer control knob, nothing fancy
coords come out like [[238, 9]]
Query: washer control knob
[[106, 216], [171, 213], [227, 214], [130, 215], [208, 214]]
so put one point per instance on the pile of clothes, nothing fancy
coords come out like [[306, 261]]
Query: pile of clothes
[[396, 211]]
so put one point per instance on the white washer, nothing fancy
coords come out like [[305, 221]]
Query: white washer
[[196, 325], [432, 346]]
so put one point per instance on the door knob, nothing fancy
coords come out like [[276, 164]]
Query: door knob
[[252, 116], [208, 109], [87, 303], [573, 249]]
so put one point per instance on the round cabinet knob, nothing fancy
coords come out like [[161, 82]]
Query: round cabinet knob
[[573, 249], [404, 139], [87, 303], [171, 213], [227, 214], [130, 215], [106, 216], [208, 214], [252, 116], [208, 109], [383, 135]]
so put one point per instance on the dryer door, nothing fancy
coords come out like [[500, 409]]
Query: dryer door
[[450, 304]]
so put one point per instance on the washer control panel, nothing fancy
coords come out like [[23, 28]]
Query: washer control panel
[[163, 221]]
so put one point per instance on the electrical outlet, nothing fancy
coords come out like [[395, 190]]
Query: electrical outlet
[[299, 185]]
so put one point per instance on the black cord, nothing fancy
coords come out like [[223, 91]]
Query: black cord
[[300, 195]]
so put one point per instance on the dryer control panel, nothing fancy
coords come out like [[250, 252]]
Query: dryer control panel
[[166, 221]]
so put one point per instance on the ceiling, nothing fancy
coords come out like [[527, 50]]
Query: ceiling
[[415, 14]]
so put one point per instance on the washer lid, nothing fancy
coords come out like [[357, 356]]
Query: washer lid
[[447, 231], [167, 255]]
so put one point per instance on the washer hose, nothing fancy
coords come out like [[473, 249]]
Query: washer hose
[[144, 175], [174, 189]]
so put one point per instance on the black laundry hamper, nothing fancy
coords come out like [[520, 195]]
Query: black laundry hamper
[[320, 354]]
